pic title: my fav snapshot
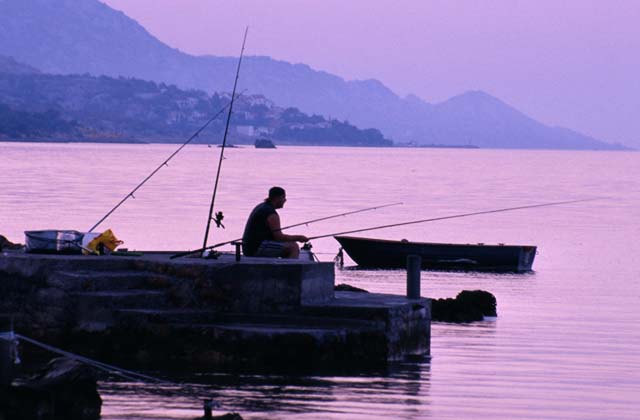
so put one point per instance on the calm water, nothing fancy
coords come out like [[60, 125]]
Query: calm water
[[566, 343]]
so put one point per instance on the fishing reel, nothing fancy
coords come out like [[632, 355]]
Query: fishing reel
[[210, 254], [218, 219], [307, 246]]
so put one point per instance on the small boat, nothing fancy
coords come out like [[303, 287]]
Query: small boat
[[264, 144], [380, 253]]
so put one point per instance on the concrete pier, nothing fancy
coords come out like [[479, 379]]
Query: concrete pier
[[255, 313]]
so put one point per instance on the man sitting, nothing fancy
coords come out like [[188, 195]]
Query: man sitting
[[263, 235]]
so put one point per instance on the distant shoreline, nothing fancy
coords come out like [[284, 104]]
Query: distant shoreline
[[67, 141], [286, 143], [438, 146]]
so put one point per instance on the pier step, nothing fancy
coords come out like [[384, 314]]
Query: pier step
[[164, 316], [95, 310], [207, 338], [198, 317], [370, 306], [285, 344], [108, 280]]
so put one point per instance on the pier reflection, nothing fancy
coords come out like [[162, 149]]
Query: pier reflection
[[401, 389]]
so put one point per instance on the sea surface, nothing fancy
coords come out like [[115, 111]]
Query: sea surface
[[565, 344]]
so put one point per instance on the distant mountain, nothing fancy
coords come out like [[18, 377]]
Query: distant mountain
[[481, 119], [29, 125], [77, 107], [86, 36], [9, 65]]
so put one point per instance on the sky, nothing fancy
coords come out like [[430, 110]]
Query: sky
[[572, 63]]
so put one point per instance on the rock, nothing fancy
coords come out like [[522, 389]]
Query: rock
[[468, 306], [343, 287], [484, 301], [7, 244], [64, 389], [228, 416]]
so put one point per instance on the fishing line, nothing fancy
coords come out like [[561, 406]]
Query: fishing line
[[456, 216]]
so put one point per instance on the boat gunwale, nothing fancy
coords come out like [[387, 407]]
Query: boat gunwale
[[391, 241]]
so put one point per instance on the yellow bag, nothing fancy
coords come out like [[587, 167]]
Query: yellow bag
[[104, 243]]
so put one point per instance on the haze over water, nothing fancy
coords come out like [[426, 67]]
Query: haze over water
[[565, 345]]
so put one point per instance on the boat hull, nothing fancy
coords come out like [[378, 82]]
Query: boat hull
[[379, 253]]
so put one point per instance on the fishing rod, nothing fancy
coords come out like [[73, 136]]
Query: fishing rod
[[224, 142], [182, 254], [341, 214], [456, 216], [163, 164]]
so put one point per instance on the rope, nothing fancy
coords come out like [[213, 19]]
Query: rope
[[13, 352], [8, 336], [128, 374]]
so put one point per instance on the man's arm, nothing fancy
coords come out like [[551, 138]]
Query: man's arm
[[273, 221]]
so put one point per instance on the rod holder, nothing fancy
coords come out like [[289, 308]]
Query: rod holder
[[238, 245], [414, 265]]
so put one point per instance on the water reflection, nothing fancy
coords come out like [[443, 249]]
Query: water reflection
[[565, 343], [401, 389]]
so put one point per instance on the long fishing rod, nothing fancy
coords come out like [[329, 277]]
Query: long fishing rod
[[455, 217], [182, 254], [163, 164], [224, 140], [341, 214]]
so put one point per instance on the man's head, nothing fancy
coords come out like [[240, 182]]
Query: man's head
[[277, 196]]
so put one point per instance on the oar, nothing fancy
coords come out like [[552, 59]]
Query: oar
[[456, 216], [182, 254]]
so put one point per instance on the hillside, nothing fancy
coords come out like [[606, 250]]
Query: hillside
[[86, 36], [83, 106], [478, 118], [9, 65]]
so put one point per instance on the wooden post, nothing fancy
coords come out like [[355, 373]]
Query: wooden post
[[208, 405], [414, 265], [6, 350]]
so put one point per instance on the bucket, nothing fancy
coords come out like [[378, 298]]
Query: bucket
[[69, 241], [52, 241]]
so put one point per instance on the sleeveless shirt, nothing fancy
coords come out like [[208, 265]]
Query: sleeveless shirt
[[256, 230]]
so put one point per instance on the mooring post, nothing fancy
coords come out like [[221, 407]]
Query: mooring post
[[208, 405], [414, 265], [6, 350]]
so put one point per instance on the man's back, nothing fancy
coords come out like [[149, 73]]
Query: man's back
[[257, 230]]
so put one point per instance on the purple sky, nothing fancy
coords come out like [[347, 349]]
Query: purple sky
[[574, 63]]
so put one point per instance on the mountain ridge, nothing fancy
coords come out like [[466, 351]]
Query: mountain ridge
[[87, 36], [87, 108]]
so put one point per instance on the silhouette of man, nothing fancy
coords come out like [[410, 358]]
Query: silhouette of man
[[263, 235]]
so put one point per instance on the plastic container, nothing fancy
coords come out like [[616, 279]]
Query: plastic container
[[53, 241], [86, 239]]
